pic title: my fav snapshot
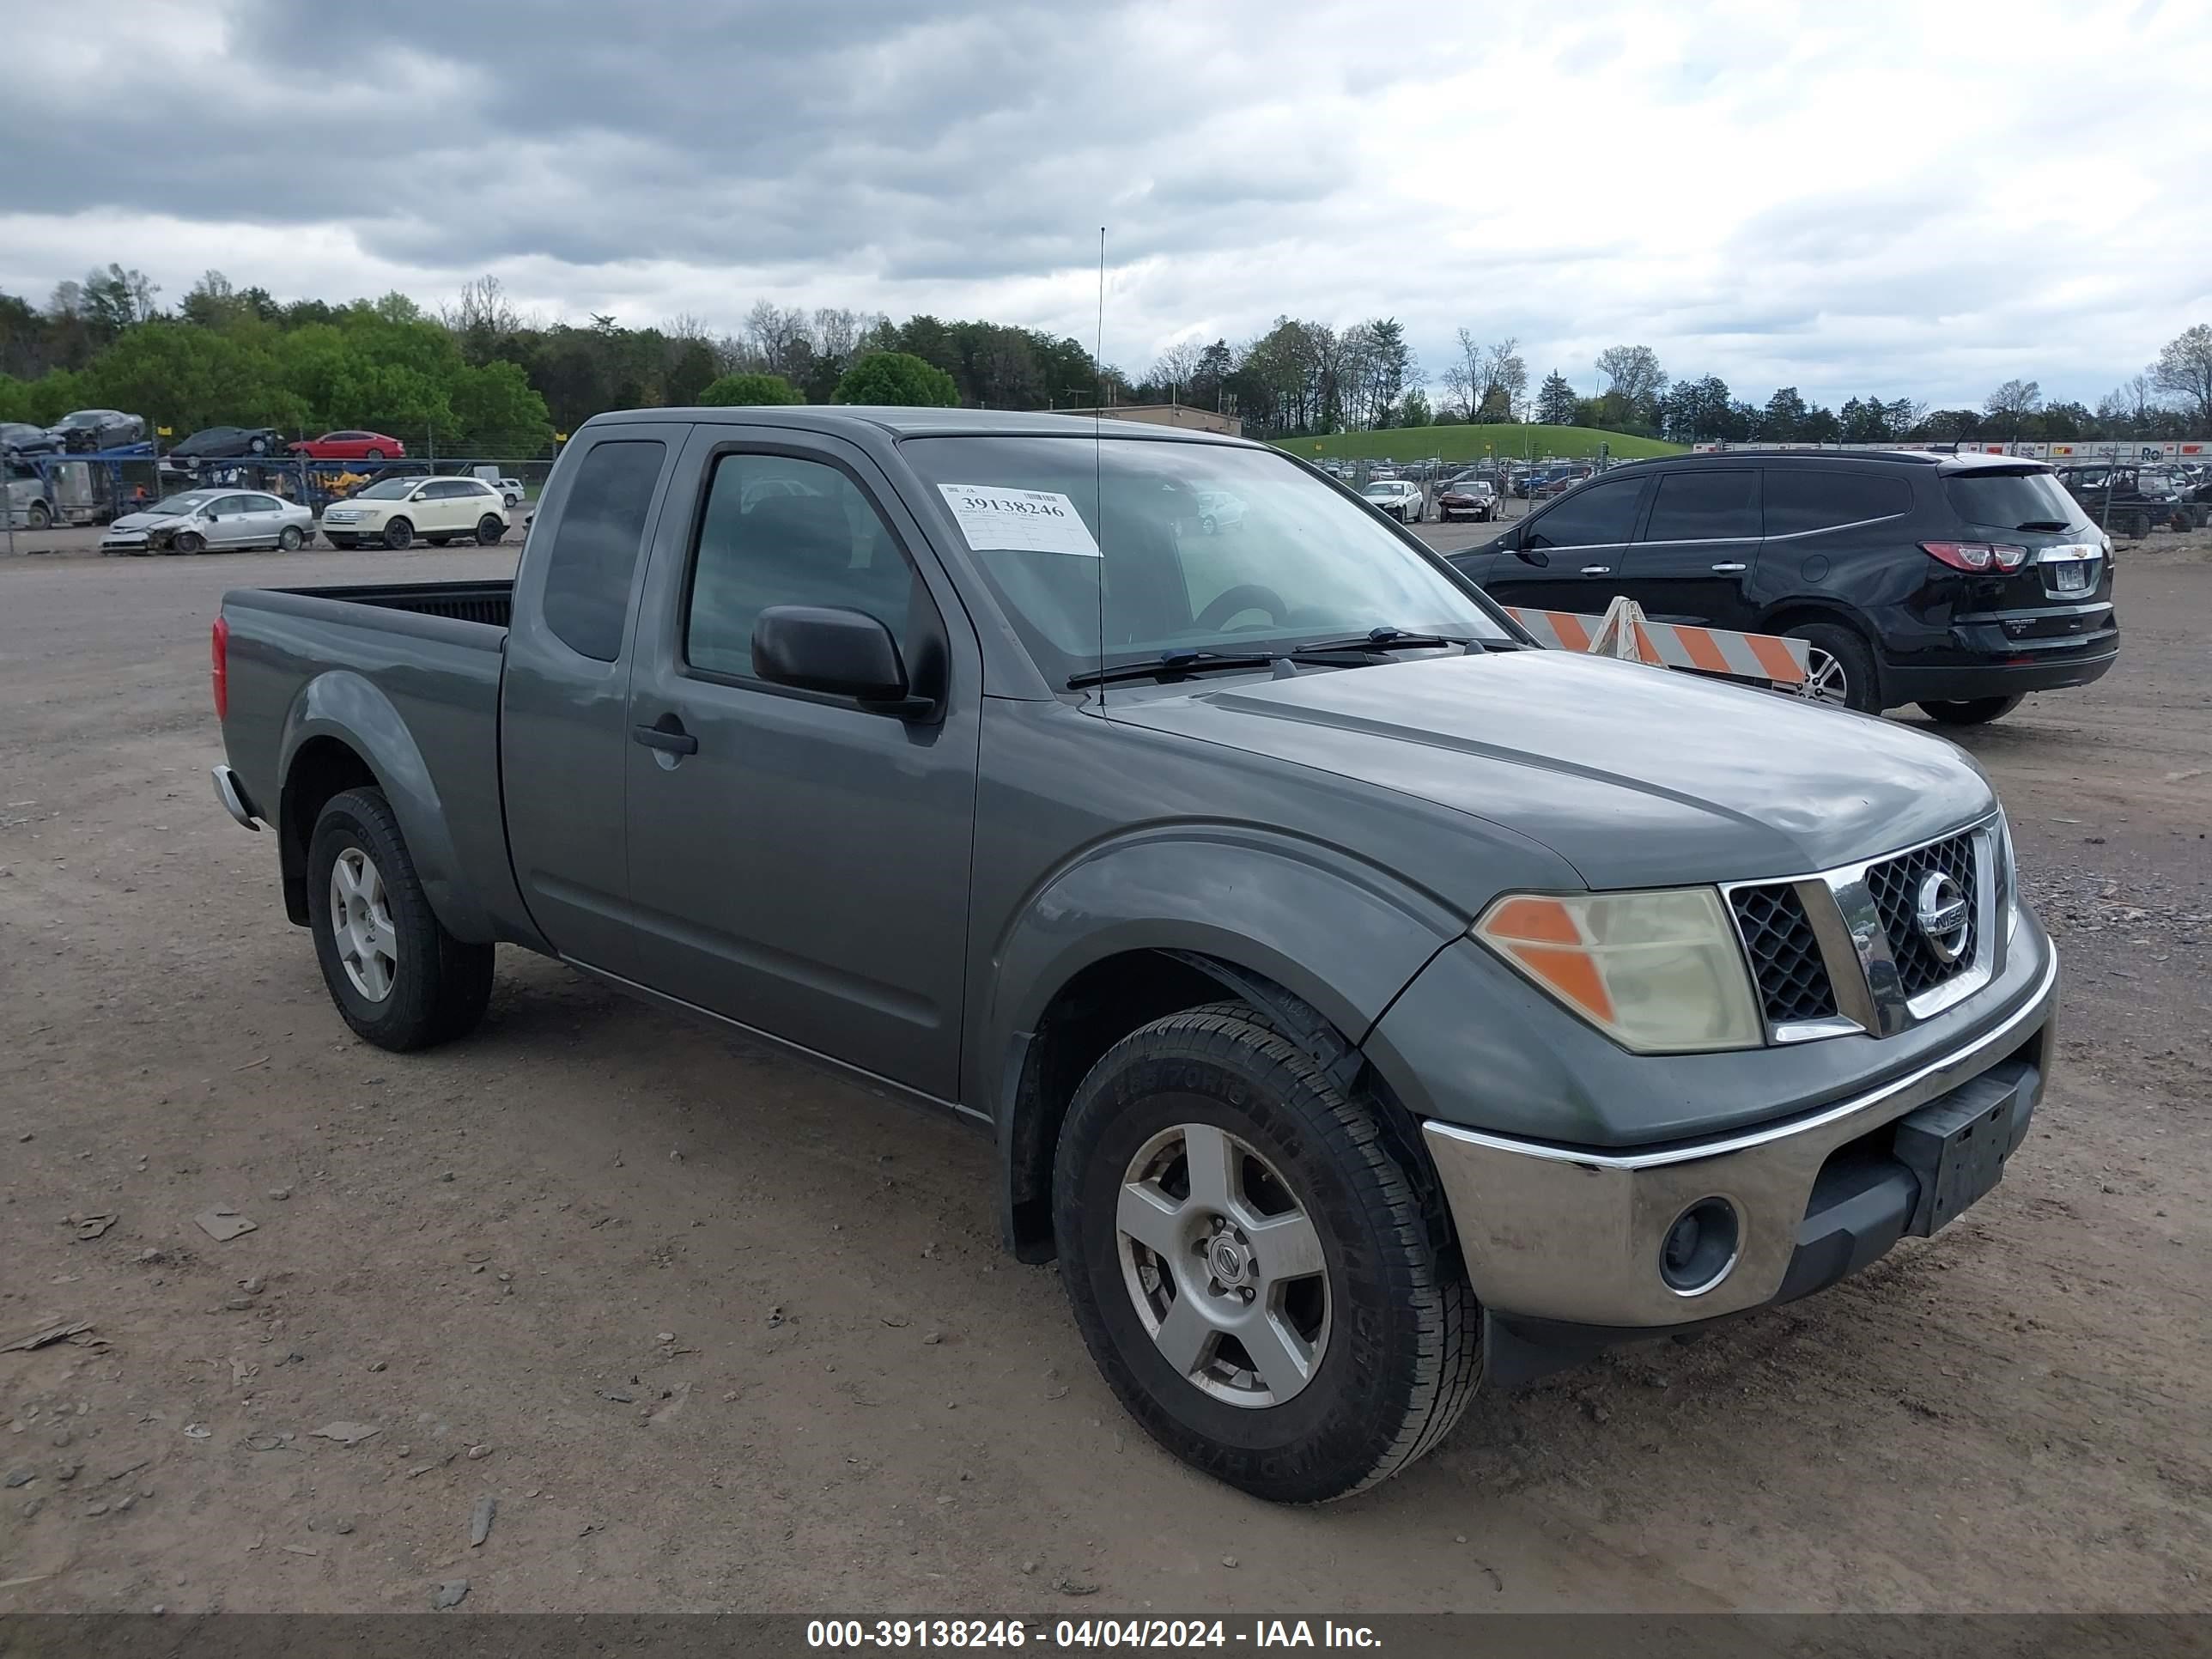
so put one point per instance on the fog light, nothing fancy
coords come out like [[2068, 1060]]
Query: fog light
[[1701, 1247]]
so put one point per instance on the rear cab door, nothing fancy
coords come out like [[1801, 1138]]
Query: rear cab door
[[1693, 559], [564, 731]]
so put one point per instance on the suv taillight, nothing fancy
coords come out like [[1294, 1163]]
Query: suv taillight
[[1978, 557], [219, 667]]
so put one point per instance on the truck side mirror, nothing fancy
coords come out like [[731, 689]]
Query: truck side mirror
[[847, 654]]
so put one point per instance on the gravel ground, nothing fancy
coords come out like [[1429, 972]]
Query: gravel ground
[[717, 1332]]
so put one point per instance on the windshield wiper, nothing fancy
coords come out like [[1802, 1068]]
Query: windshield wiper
[[1172, 665], [1382, 639]]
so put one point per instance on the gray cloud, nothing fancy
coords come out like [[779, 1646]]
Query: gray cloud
[[1885, 200]]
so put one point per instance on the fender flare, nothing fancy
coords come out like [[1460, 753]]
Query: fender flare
[[347, 707]]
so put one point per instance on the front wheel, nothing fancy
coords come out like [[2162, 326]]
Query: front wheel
[[38, 516], [399, 534], [1838, 669], [291, 538], [398, 978], [490, 530], [1252, 1265], [189, 541], [1972, 711], [258, 447], [371, 454]]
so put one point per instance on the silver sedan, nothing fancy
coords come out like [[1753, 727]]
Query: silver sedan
[[211, 521]]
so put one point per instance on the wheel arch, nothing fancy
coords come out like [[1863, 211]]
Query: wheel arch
[[344, 734], [1318, 944]]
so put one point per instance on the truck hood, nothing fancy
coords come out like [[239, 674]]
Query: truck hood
[[1637, 776]]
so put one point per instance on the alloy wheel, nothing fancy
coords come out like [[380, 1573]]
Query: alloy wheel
[[1224, 1266], [361, 923], [1825, 679]]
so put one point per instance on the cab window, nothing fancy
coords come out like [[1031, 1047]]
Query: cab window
[[780, 529]]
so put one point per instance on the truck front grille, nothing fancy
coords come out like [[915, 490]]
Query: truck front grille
[[1895, 884], [1786, 955]]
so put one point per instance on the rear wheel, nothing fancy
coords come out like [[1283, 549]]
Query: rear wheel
[[1838, 669], [398, 978], [2135, 527], [1972, 711], [398, 534], [1252, 1266], [489, 531], [291, 538]]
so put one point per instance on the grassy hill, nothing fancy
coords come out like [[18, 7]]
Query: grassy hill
[[1472, 443]]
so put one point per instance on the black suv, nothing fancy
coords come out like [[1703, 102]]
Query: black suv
[[1958, 582]]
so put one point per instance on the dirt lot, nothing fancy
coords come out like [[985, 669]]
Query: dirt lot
[[718, 1334]]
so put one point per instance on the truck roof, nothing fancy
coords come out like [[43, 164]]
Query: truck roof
[[905, 422]]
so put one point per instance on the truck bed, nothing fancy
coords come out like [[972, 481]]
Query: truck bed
[[490, 603]]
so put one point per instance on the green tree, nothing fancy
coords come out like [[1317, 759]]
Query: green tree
[[1413, 409], [736, 390], [1555, 401], [899, 377], [495, 408]]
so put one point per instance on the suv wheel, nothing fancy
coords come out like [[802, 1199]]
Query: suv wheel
[[1838, 669], [1973, 711], [1252, 1265], [398, 978], [399, 534], [490, 530]]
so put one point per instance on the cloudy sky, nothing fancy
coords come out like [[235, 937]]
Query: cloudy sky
[[1923, 199]]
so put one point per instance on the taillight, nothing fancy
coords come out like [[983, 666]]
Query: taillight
[[1976, 556], [219, 667]]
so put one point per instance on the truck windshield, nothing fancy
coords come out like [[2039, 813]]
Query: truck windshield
[[1163, 546]]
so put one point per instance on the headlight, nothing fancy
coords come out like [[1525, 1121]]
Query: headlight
[[1658, 972]]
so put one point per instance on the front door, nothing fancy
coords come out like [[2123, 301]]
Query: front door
[[1568, 554], [799, 862], [1692, 563]]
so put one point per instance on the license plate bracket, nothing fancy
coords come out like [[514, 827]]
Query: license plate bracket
[[2070, 576], [1957, 1145]]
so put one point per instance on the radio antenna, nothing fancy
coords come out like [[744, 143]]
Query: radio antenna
[[1098, 457]]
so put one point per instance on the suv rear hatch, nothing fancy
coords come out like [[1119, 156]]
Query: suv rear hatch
[[2058, 592]]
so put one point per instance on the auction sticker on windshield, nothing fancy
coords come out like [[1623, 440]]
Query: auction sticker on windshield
[[1024, 520]]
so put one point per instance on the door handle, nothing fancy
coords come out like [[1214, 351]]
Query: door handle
[[671, 739], [1597, 570], [1728, 569]]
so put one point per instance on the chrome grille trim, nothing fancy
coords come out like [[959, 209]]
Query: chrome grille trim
[[1871, 995]]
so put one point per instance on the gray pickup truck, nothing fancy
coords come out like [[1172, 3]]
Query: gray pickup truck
[[1365, 1003]]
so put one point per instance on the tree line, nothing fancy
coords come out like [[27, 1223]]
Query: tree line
[[480, 375]]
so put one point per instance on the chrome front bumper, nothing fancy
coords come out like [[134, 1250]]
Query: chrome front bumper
[[1559, 1233]]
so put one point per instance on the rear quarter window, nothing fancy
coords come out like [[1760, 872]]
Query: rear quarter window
[[596, 547], [1804, 499]]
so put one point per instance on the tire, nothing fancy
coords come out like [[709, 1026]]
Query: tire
[[38, 516], [1207, 527], [1386, 1326], [1973, 711], [188, 541], [371, 454], [256, 446], [2135, 527], [490, 531], [429, 987], [291, 538], [399, 534], [1843, 668]]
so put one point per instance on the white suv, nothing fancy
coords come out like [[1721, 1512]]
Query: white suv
[[396, 512]]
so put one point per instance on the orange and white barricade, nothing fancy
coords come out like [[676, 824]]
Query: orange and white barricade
[[1626, 632]]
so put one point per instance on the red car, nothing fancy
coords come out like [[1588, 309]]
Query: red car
[[349, 446]]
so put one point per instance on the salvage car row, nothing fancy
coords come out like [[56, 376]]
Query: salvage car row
[[395, 513]]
